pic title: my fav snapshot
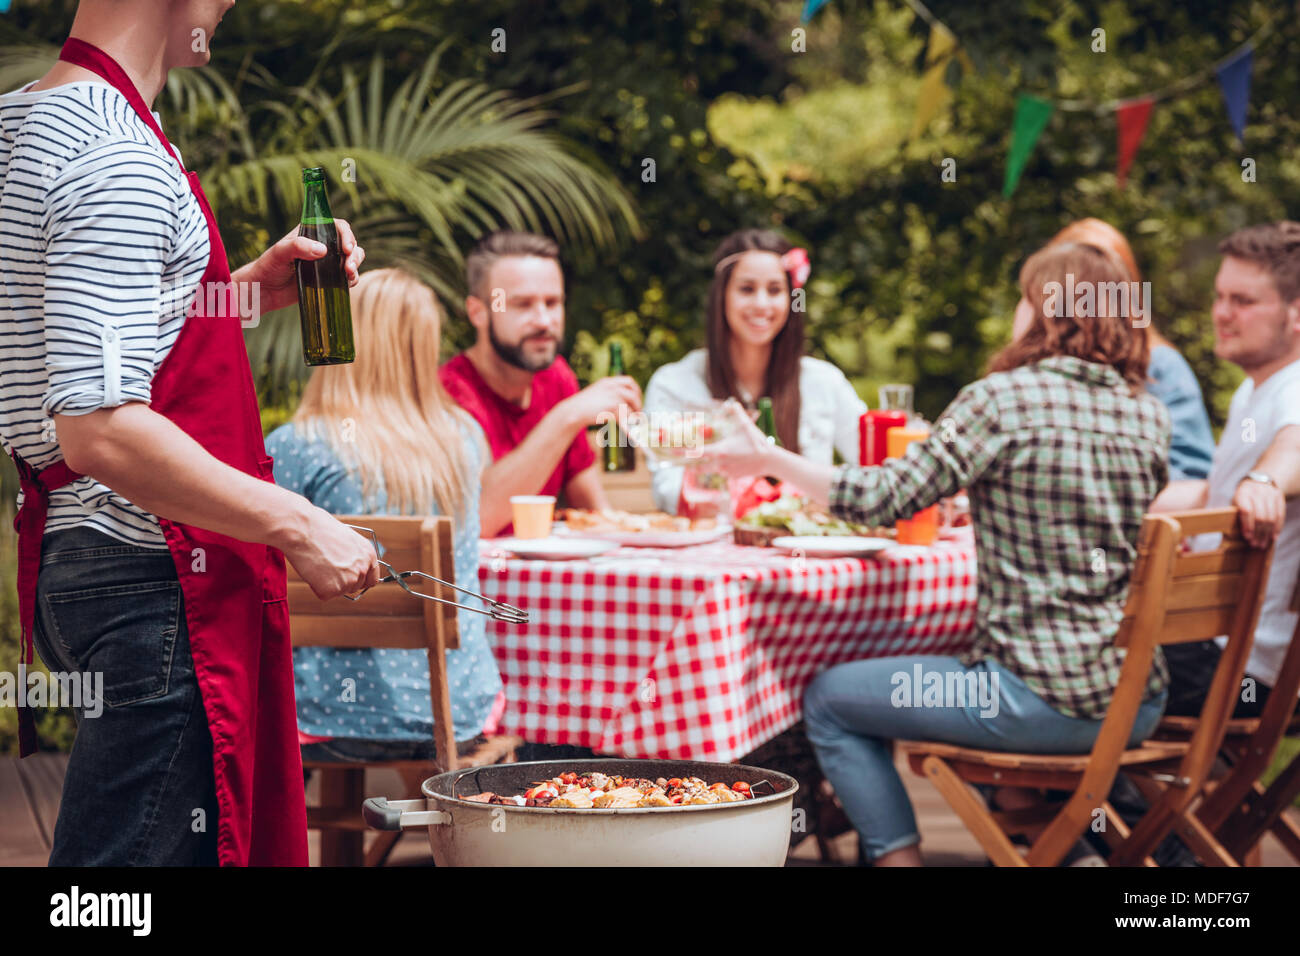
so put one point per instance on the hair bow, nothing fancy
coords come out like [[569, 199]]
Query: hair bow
[[796, 263]]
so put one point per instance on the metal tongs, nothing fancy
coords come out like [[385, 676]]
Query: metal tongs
[[495, 609]]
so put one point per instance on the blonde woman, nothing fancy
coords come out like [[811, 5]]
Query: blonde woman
[[381, 436]]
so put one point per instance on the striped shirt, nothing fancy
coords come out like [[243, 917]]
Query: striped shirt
[[103, 248], [1061, 461]]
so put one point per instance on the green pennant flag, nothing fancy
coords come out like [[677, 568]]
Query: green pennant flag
[[1031, 119]]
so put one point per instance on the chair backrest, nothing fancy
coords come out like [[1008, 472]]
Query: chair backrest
[[386, 616], [1207, 588], [410, 544], [1178, 596]]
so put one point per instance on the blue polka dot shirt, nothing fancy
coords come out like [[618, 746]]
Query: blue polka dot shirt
[[383, 694]]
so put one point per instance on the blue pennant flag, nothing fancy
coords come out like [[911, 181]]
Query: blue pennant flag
[[1234, 80], [810, 9]]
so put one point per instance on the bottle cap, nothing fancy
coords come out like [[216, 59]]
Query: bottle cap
[[313, 174]]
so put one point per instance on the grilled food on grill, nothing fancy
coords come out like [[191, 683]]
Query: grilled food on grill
[[570, 790]]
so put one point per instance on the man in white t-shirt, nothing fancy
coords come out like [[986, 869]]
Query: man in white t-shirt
[[1257, 462]]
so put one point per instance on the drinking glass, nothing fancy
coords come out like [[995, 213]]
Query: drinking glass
[[532, 514]]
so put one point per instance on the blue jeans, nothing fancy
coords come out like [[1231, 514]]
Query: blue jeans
[[139, 789], [852, 712]]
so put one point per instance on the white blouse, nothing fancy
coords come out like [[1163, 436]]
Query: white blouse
[[829, 410]]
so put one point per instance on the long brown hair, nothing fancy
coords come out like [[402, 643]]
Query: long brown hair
[[1099, 233], [1104, 338], [386, 415], [781, 382]]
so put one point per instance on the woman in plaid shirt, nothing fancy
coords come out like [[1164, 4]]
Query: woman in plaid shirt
[[1062, 451]]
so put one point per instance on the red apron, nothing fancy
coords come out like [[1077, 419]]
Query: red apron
[[235, 596]]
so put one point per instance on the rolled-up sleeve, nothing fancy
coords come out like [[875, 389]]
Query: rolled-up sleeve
[[962, 446], [111, 222]]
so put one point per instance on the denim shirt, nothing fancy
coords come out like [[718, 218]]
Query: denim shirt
[[1174, 383], [391, 685]]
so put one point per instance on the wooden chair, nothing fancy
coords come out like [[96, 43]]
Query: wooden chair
[[1173, 597], [387, 617], [1239, 809]]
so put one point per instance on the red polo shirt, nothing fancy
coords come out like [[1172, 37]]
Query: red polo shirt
[[506, 424]]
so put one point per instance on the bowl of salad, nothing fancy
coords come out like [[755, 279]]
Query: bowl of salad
[[794, 515]]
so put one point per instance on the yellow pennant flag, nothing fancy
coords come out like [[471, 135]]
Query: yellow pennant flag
[[935, 95]]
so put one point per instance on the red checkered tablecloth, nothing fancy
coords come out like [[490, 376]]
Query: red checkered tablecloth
[[704, 652]]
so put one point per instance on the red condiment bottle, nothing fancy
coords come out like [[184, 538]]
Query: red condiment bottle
[[873, 427]]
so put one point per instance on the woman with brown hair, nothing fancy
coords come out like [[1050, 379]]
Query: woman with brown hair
[[1169, 377], [382, 436], [1061, 450], [754, 349]]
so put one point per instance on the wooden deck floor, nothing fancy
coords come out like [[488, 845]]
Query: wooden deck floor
[[29, 805]]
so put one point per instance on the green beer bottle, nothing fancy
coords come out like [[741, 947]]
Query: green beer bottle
[[323, 301], [766, 421], [619, 453], [767, 424]]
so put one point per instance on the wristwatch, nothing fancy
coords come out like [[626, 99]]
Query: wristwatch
[[1261, 477]]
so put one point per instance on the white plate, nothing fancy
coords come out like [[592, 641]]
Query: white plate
[[556, 548], [656, 539], [831, 546]]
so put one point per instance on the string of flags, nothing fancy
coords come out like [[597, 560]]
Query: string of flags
[[1032, 113]]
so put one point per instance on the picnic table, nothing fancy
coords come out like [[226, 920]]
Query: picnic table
[[704, 652]]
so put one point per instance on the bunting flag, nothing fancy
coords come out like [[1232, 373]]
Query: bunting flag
[[1233, 72], [1131, 120], [810, 9], [1234, 80], [934, 95], [1031, 119]]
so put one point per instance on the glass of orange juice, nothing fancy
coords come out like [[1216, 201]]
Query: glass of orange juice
[[532, 514], [923, 527]]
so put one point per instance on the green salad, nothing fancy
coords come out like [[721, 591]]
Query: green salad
[[795, 515]]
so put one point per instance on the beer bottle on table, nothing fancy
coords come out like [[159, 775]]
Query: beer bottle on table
[[324, 304], [767, 421], [767, 424], [619, 454]]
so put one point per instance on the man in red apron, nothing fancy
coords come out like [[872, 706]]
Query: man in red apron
[[193, 456]]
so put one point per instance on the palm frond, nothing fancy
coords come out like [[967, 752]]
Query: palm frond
[[466, 159]]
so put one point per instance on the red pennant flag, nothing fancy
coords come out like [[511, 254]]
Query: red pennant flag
[[1131, 119]]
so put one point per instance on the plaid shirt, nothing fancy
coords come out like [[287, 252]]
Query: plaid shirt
[[1061, 461]]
